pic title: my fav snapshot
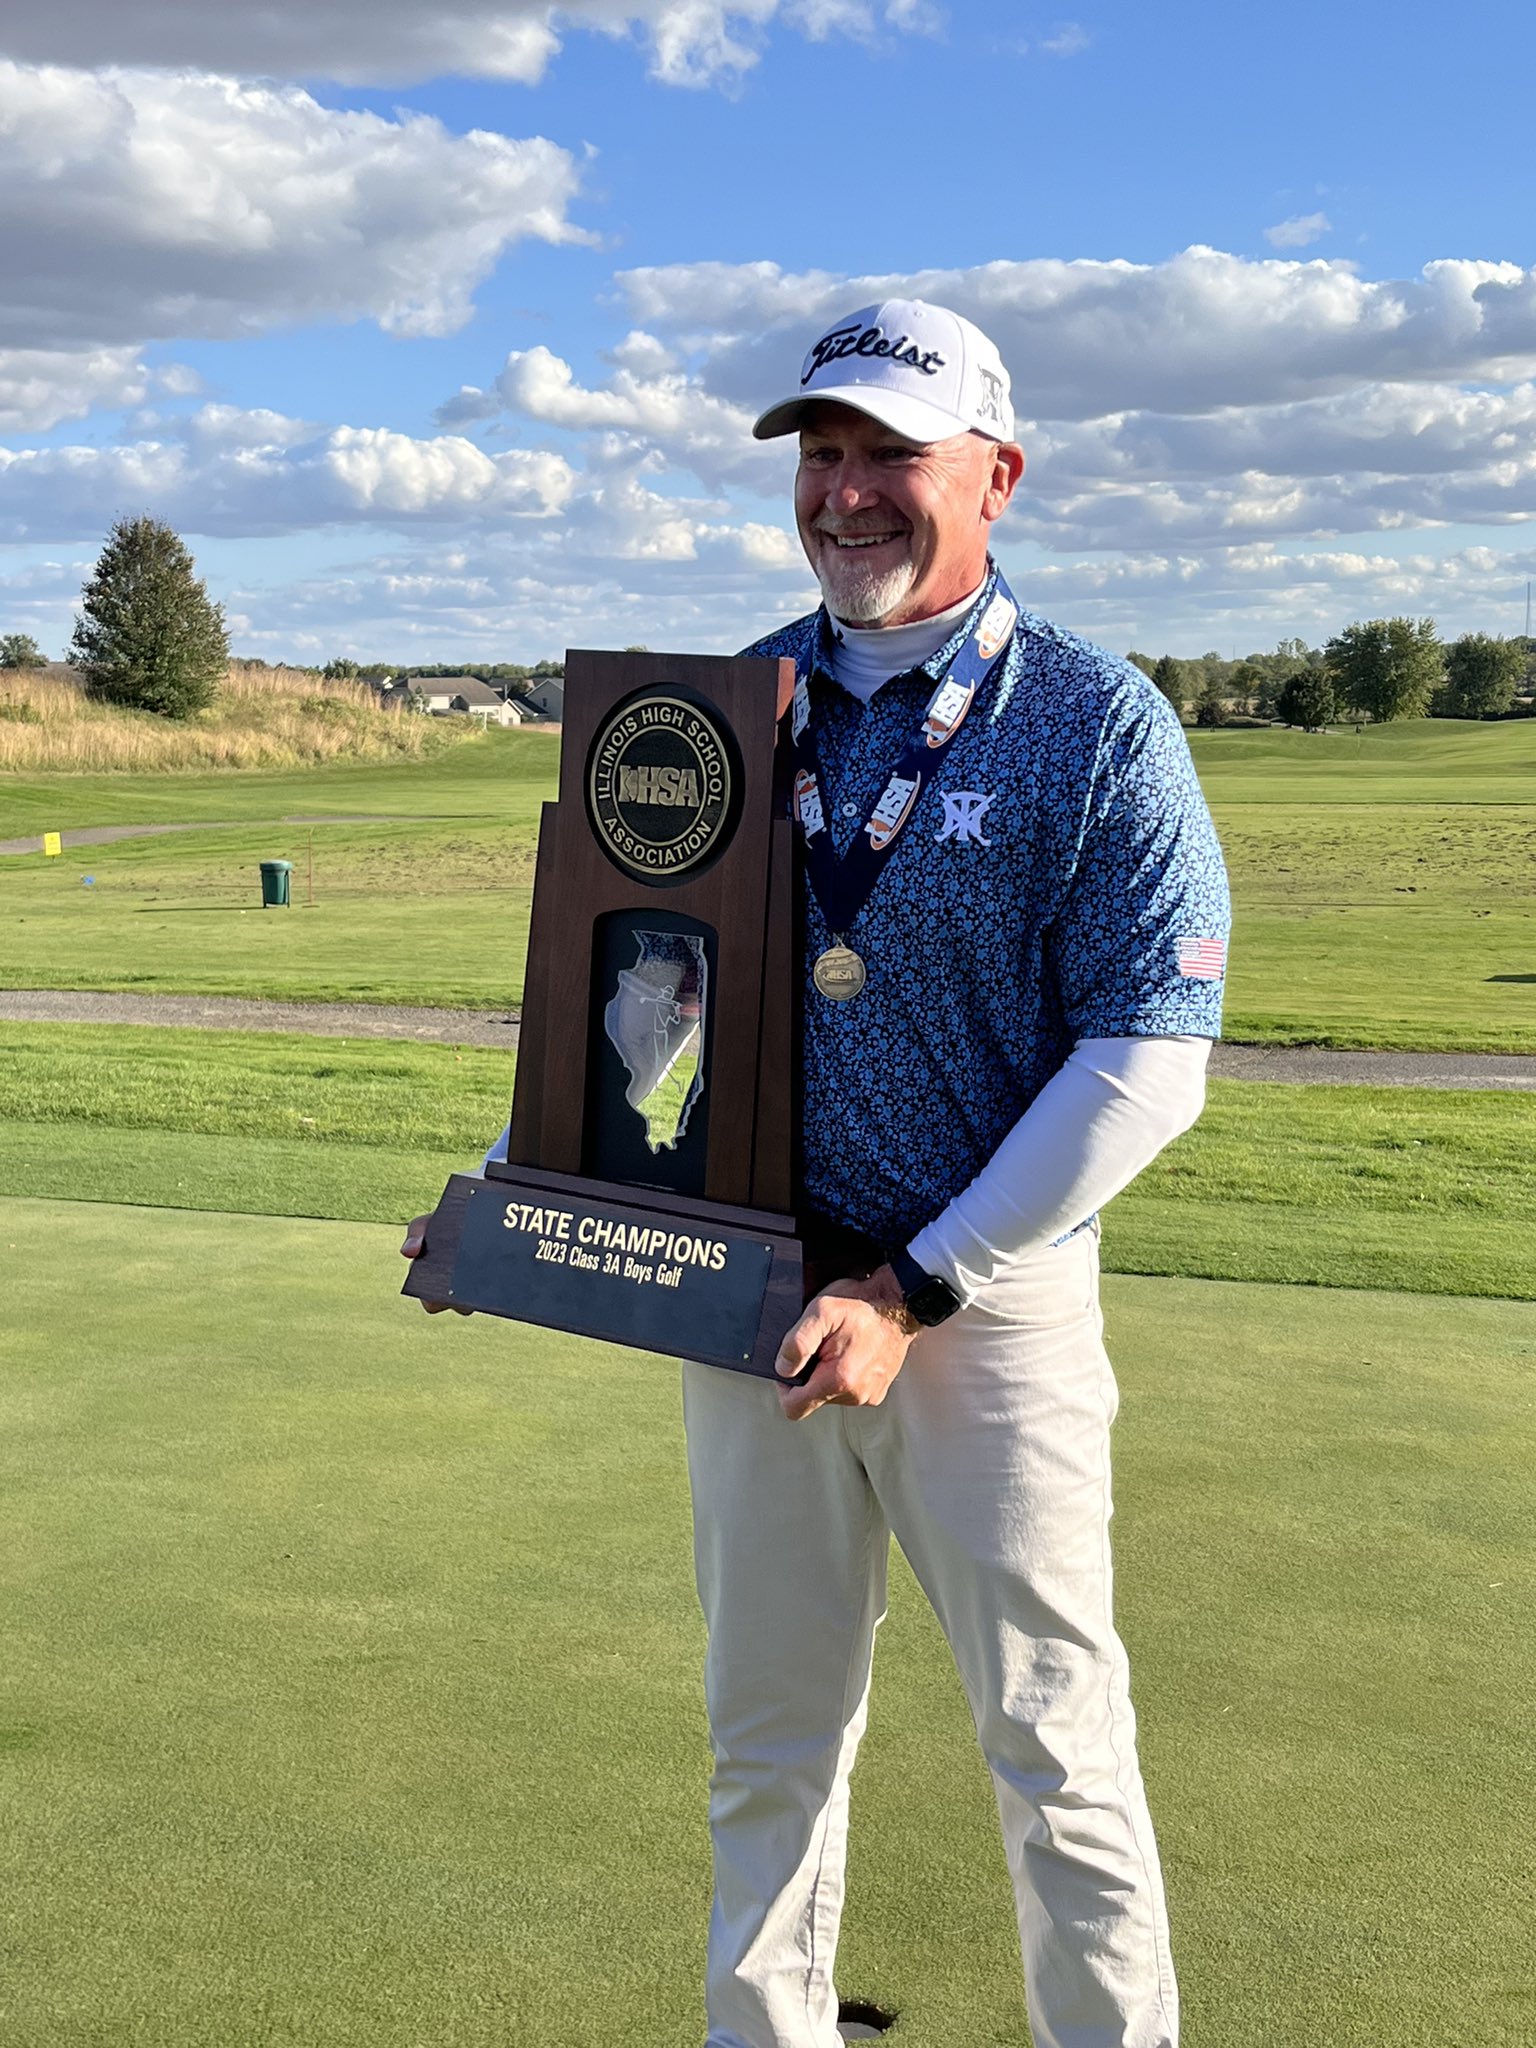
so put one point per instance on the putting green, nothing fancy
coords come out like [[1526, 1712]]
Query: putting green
[[351, 1697]]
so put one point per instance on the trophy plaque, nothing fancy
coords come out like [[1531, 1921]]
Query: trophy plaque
[[647, 1196]]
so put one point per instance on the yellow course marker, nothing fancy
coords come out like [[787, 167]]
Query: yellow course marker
[[52, 844]]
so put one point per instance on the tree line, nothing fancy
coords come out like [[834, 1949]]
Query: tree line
[[1376, 669], [344, 669]]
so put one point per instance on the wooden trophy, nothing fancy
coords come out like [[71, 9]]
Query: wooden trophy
[[648, 1190]]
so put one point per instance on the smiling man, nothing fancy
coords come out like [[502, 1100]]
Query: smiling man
[[1016, 918], [1015, 923]]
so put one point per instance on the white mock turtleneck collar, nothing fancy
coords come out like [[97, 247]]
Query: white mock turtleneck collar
[[865, 657]]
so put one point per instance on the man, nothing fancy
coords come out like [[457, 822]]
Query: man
[[1016, 918]]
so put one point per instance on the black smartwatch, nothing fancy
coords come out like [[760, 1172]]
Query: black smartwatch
[[931, 1301]]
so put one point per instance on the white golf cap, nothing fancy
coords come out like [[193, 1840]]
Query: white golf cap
[[921, 370]]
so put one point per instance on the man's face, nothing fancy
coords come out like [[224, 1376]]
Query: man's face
[[896, 530]]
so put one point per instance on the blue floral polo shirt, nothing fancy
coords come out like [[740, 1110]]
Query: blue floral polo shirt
[[1059, 879]]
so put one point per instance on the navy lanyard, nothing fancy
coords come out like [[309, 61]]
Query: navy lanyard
[[843, 885]]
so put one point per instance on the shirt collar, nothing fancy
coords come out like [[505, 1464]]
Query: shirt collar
[[823, 643]]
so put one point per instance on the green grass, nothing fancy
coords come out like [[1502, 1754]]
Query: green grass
[[1385, 887], [244, 1176], [1427, 1189], [417, 911], [351, 1688], [1362, 924], [1384, 884], [1423, 1189], [1417, 761], [253, 1084]]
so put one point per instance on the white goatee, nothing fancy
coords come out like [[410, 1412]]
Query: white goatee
[[863, 596]]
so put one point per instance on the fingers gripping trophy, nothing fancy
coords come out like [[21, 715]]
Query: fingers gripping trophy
[[865, 969]]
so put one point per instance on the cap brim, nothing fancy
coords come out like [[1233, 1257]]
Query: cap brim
[[911, 417]]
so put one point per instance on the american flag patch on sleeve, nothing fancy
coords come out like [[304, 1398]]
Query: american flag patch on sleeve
[[1201, 959]]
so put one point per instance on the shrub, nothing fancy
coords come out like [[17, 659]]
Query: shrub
[[1481, 675], [1307, 700]]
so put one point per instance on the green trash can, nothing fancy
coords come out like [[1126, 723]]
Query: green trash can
[[274, 884]]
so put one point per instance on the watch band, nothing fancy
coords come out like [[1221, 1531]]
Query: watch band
[[931, 1300]]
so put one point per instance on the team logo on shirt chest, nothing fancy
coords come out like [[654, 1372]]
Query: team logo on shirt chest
[[964, 810]]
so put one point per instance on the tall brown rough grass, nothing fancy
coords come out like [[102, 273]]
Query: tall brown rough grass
[[261, 718]]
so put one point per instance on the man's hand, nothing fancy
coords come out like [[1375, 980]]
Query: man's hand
[[415, 1244], [858, 1332]]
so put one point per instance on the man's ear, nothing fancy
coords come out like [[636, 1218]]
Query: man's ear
[[1007, 468]]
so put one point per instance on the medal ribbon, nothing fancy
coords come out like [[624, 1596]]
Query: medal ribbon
[[844, 884]]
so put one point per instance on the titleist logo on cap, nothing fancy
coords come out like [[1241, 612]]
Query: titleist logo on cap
[[923, 371], [870, 341]]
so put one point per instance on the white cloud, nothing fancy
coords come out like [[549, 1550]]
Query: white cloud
[[861, 19], [1085, 338], [230, 473], [651, 405], [1375, 431], [40, 387], [496, 600], [1299, 231], [1251, 597], [1200, 428], [1070, 40], [137, 205], [1378, 458], [613, 575], [394, 42]]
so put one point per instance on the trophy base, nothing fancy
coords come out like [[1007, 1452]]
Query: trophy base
[[636, 1266]]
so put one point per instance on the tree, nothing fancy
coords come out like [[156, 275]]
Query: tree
[[1481, 675], [1295, 654], [340, 669], [20, 650], [1307, 700], [1211, 706], [1246, 681], [1170, 680], [1388, 668], [148, 635], [1144, 662]]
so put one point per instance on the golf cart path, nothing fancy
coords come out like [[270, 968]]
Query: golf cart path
[[239, 1013], [108, 835], [499, 1028]]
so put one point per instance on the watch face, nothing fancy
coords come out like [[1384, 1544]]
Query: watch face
[[934, 1302]]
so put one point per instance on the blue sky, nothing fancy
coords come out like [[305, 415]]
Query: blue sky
[[1263, 280]]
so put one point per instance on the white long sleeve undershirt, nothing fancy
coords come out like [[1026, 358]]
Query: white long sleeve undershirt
[[1088, 1133]]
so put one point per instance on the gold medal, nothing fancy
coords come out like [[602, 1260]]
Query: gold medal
[[838, 974]]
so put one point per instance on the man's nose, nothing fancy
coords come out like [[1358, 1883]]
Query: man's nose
[[853, 489]]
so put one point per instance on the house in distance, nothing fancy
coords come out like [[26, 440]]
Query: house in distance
[[461, 696]]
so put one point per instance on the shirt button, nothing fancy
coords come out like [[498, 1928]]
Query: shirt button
[[850, 810]]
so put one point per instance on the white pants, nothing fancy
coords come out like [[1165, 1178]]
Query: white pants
[[989, 1460]]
